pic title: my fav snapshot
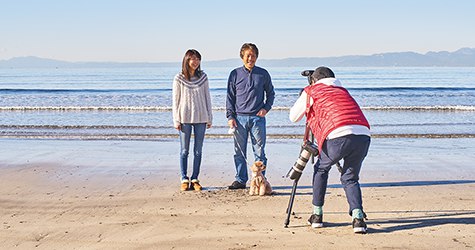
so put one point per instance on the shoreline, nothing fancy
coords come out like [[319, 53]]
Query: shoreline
[[159, 137], [61, 194]]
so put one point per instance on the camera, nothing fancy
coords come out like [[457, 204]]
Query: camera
[[308, 74], [309, 149]]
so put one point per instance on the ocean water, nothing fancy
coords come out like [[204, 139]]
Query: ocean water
[[135, 103]]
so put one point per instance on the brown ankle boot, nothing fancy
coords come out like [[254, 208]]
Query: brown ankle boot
[[185, 185], [196, 185]]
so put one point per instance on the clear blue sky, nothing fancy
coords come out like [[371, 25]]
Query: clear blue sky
[[162, 30]]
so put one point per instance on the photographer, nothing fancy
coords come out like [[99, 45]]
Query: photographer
[[342, 132]]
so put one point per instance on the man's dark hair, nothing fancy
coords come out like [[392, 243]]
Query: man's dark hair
[[322, 72], [250, 46]]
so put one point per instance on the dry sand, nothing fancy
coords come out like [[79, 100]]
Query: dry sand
[[51, 199]]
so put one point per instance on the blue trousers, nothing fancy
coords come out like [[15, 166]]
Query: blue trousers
[[185, 137], [352, 149], [255, 127]]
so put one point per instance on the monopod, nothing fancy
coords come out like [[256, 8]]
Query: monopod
[[309, 150]]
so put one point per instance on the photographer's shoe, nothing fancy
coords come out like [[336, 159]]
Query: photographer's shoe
[[237, 185], [359, 226], [316, 221]]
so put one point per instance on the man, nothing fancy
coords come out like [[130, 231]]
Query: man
[[342, 132], [250, 96]]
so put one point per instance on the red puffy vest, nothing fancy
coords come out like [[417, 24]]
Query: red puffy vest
[[332, 107]]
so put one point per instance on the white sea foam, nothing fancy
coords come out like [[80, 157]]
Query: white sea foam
[[169, 108], [85, 108], [405, 108], [422, 108]]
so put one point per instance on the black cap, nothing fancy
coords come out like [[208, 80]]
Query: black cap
[[322, 72]]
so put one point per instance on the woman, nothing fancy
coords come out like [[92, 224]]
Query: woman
[[191, 111]]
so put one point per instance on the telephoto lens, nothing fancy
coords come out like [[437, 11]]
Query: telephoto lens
[[308, 149]]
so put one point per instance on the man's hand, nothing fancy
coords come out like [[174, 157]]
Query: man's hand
[[232, 123], [262, 113]]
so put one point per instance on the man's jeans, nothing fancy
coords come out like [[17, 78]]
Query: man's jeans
[[185, 135], [352, 149], [255, 126]]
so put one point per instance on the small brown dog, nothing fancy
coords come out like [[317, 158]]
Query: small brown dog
[[259, 183]]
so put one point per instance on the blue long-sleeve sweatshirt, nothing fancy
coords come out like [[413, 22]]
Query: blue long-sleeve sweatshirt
[[248, 92]]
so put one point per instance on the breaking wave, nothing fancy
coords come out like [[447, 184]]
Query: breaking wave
[[169, 108]]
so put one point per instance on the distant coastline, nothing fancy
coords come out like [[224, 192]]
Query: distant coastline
[[464, 57]]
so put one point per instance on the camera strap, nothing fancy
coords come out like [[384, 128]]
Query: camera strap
[[307, 128], [308, 136]]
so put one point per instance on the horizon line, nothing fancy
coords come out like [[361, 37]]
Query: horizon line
[[230, 59]]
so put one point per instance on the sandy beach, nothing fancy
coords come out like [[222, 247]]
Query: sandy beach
[[66, 194]]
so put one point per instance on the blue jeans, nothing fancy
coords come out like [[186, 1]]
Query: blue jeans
[[255, 126], [352, 149], [185, 136]]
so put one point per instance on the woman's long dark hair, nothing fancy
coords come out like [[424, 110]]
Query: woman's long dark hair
[[185, 66]]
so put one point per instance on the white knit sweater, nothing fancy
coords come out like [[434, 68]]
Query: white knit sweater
[[191, 100]]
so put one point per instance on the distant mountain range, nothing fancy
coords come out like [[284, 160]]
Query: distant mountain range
[[464, 57]]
